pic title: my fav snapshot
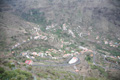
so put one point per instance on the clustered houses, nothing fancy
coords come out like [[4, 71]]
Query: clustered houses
[[111, 43], [73, 53], [49, 27], [36, 37], [33, 54], [40, 36], [52, 50]]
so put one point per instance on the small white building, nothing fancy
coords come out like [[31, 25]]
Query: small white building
[[24, 53], [73, 60], [64, 27], [36, 37], [27, 56], [34, 53], [40, 54]]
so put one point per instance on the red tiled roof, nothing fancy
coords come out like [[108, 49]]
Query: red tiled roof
[[28, 61]]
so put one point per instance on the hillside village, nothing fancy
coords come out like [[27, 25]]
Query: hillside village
[[53, 54], [49, 52], [59, 40]]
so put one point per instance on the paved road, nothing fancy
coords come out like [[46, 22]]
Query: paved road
[[114, 67], [65, 63]]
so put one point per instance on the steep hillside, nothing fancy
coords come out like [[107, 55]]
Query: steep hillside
[[79, 21], [86, 29]]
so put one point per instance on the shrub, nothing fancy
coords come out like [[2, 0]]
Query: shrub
[[91, 78], [37, 17], [16, 75], [2, 70], [29, 68], [21, 77], [88, 58], [101, 70], [10, 65]]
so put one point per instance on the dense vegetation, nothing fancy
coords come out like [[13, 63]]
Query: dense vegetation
[[88, 58], [34, 15], [101, 70], [66, 24], [15, 75]]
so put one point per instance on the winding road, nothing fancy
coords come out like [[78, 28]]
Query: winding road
[[65, 63]]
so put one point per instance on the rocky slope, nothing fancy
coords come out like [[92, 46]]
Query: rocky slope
[[62, 25], [89, 22]]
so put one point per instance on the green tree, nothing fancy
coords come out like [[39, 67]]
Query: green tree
[[21, 77], [1, 70], [16, 75]]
